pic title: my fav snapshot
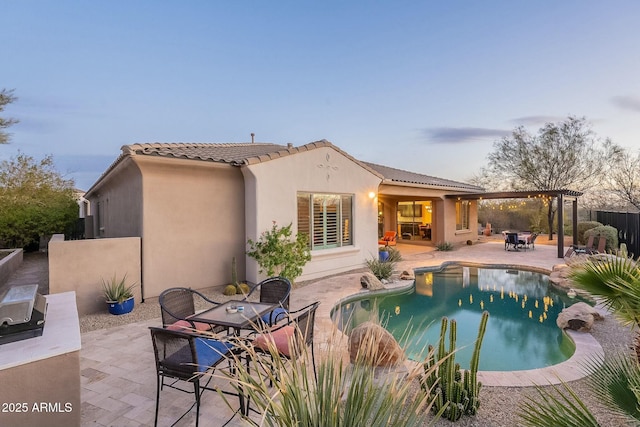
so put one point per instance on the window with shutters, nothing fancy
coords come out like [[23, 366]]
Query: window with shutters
[[326, 219]]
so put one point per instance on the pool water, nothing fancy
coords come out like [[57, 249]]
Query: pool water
[[521, 331]]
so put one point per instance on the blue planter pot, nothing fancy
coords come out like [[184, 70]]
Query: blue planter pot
[[123, 307], [383, 255]]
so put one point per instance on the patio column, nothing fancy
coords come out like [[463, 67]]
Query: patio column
[[560, 226]]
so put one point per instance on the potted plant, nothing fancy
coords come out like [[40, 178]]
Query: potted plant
[[118, 295], [383, 253]]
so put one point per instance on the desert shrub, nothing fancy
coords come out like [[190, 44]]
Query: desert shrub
[[279, 252], [380, 269], [582, 229], [230, 290], [343, 395], [469, 242], [610, 233], [444, 246]]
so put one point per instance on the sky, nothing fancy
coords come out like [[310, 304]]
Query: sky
[[424, 86]]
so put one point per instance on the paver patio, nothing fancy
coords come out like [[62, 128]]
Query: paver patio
[[118, 369]]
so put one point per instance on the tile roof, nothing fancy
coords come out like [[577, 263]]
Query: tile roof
[[399, 175], [233, 153], [238, 154]]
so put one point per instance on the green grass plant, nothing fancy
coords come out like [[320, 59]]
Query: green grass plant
[[344, 395]]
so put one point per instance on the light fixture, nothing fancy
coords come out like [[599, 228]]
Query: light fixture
[[372, 194]]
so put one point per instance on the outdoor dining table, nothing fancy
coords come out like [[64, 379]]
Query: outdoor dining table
[[243, 318]]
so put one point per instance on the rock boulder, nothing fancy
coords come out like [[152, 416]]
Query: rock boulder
[[371, 282], [578, 317], [376, 345]]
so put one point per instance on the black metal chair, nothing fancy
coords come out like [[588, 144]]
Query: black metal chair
[[298, 331], [511, 241], [178, 304], [274, 290], [185, 357]]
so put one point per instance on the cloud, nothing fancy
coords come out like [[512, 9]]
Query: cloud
[[536, 120], [446, 135], [627, 102]]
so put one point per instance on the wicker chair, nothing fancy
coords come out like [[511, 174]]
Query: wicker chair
[[177, 305], [298, 331], [181, 356], [274, 290]]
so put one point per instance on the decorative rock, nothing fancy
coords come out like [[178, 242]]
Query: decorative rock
[[405, 275], [371, 282], [578, 317], [385, 350]]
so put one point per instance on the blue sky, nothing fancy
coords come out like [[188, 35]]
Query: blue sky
[[419, 85]]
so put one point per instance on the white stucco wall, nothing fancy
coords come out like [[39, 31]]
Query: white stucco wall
[[271, 189]]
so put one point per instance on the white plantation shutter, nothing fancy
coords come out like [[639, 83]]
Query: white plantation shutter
[[327, 218]]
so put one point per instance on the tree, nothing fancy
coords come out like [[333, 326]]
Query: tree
[[564, 155], [35, 200], [624, 178], [6, 97]]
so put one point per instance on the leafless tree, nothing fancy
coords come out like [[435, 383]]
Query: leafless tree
[[563, 155]]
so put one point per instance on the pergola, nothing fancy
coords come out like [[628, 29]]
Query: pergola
[[560, 195]]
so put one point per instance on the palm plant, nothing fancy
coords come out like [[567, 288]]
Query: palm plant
[[616, 281]]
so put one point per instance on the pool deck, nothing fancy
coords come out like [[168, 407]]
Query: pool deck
[[118, 370]]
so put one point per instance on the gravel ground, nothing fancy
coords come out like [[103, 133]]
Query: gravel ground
[[499, 405]]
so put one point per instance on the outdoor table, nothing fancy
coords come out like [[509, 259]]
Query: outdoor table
[[244, 319]]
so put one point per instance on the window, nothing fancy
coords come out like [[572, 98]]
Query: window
[[326, 219], [462, 214]]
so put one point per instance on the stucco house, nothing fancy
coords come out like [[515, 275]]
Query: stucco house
[[194, 206]]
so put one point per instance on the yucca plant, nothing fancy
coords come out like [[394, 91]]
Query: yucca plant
[[344, 395]]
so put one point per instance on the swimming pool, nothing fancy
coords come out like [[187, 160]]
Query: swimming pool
[[521, 333]]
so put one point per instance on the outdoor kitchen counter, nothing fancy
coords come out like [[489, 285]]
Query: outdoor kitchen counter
[[41, 375]]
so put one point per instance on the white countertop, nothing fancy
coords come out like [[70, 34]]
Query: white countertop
[[61, 334]]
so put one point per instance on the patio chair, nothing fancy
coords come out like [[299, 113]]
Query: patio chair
[[177, 305], [530, 243], [289, 340], [182, 357], [389, 238], [511, 241], [602, 244], [583, 249], [274, 290]]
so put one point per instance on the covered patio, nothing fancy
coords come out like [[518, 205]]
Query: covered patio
[[560, 195]]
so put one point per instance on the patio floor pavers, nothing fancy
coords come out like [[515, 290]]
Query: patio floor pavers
[[118, 370]]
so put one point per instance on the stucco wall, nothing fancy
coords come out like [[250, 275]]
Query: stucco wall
[[193, 223], [80, 266], [9, 264], [272, 189], [117, 203]]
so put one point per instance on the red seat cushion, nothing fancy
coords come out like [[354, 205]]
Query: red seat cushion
[[280, 338], [183, 324]]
